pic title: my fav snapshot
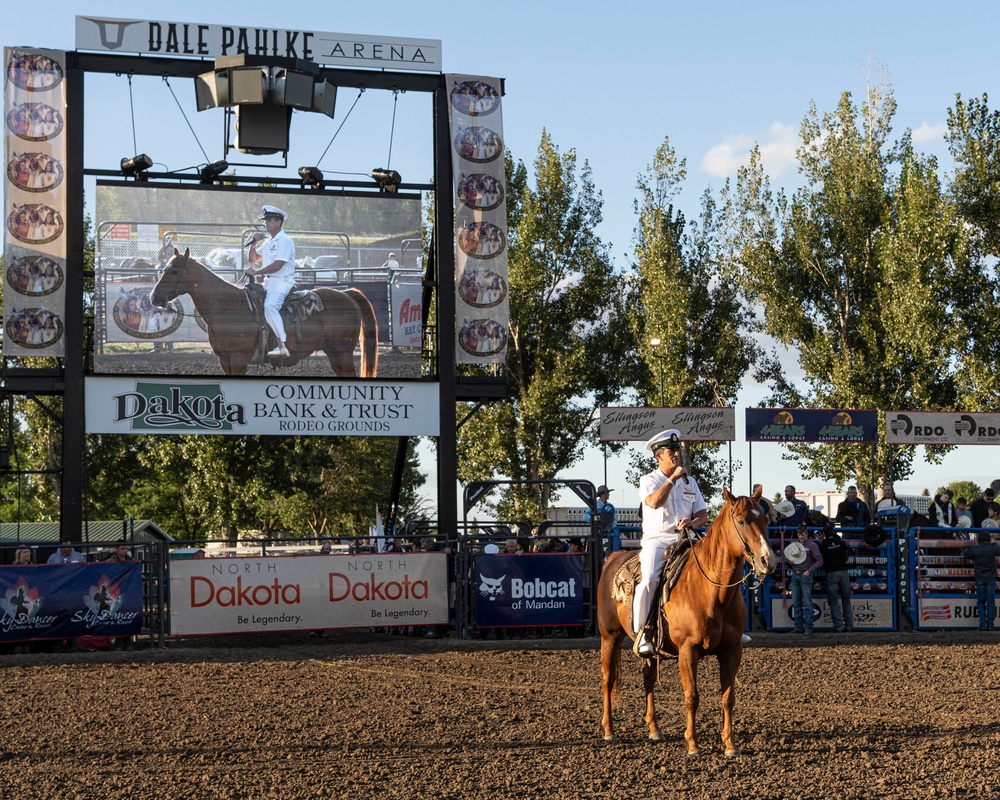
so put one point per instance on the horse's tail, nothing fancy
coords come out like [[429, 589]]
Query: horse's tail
[[368, 337]]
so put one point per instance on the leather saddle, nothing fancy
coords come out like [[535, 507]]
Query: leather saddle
[[299, 305]]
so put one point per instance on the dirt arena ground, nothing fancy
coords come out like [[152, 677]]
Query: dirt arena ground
[[358, 715]]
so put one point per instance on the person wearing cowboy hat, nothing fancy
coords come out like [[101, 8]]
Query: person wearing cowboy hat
[[606, 514], [277, 257], [672, 504], [802, 559], [983, 555]]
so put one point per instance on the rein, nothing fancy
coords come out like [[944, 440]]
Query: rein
[[746, 550]]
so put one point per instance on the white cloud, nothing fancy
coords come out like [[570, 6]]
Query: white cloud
[[929, 133], [777, 150]]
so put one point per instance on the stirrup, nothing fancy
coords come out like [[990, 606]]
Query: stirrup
[[280, 350]]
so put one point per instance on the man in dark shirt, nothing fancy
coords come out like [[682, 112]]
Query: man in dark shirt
[[799, 513], [980, 507], [983, 556], [838, 581], [853, 511]]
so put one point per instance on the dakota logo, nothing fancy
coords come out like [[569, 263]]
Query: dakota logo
[[157, 406]]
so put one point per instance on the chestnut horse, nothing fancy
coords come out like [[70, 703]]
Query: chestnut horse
[[347, 319], [706, 615]]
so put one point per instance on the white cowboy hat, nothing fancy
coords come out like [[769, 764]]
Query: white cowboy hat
[[786, 508], [491, 549], [964, 522], [796, 553], [989, 523]]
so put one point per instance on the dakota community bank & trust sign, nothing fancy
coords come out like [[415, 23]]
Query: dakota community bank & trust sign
[[240, 407]]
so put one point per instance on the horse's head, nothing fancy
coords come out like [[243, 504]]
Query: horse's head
[[750, 525], [173, 279]]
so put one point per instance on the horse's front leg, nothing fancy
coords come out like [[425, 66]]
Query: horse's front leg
[[649, 671], [687, 664], [729, 664]]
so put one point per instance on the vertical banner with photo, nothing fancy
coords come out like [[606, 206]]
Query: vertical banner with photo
[[34, 265], [482, 313]]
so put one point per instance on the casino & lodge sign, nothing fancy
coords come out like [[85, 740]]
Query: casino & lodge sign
[[157, 37]]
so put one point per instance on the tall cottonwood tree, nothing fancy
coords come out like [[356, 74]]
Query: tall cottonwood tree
[[858, 275], [704, 350], [570, 350]]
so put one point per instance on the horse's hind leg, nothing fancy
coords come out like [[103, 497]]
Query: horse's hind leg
[[610, 669], [729, 663], [649, 669]]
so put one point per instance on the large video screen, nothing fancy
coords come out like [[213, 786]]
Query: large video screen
[[356, 311]]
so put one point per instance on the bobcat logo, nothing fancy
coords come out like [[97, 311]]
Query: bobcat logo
[[491, 587]]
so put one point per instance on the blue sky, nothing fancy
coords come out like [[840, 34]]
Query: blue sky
[[609, 80]]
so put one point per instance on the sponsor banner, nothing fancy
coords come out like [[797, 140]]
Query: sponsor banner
[[811, 425], [34, 262], [64, 601], [869, 613], [637, 424], [261, 408], [941, 427], [407, 319], [482, 289], [282, 593], [198, 40], [543, 589], [949, 612]]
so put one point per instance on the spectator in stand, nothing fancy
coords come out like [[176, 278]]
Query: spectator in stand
[[983, 556], [66, 554], [838, 582], [993, 517], [609, 520], [942, 513], [963, 513], [802, 560], [795, 516], [853, 511], [980, 508], [120, 556], [22, 557], [888, 498]]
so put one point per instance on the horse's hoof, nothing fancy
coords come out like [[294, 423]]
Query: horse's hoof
[[657, 737], [694, 752], [611, 738], [731, 753]]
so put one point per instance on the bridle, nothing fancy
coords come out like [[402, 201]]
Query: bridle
[[748, 554]]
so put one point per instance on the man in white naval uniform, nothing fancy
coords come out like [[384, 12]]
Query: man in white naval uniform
[[277, 256]]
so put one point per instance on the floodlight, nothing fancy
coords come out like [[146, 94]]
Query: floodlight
[[136, 166], [210, 172], [311, 176], [388, 180]]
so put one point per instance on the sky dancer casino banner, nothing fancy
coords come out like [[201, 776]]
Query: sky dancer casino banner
[[482, 301], [283, 593], [64, 601], [158, 37], [240, 407], [811, 425], [941, 427], [34, 262], [638, 424], [543, 589], [139, 226]]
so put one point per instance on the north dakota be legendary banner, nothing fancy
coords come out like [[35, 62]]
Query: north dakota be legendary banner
[[283, 593], [482, 310], [34, 263], [64, 601]]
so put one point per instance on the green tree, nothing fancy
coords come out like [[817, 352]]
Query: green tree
[[858, 276], [703, 352], [570, 350]]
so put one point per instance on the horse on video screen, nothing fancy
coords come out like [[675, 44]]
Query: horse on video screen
[[705, 612], [347, 320]]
